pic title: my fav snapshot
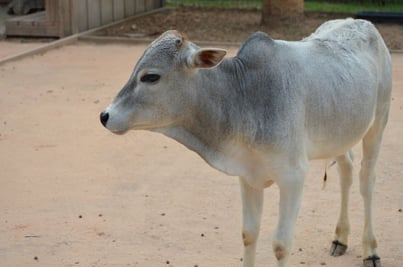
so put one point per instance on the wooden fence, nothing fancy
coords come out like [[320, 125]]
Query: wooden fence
[[65, 17]]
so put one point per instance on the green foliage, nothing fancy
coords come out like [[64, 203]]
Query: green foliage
[[310, 5], [354, 7]]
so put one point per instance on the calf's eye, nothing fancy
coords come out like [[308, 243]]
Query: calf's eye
[[150, 78]]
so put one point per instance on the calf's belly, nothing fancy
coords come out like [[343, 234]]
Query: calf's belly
[[336, 144]]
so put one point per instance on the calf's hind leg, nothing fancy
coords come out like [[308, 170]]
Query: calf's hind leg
[[371, 144], [345, 169]]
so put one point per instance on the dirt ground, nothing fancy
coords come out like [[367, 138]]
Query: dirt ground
[[73, 194], [232, 25]]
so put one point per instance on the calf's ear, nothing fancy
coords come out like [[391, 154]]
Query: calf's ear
[[206, 58]]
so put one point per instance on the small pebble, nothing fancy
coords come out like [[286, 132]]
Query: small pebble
[[100, 215], [162, 214], [80, 216], [400, 210], [36, 258], [202, 235], [302, 262], [323, 263], [167, 262]]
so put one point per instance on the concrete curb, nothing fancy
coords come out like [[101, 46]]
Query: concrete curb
[[113, 39], [40, 50]]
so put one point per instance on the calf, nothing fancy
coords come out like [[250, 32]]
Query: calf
[[263, 114]]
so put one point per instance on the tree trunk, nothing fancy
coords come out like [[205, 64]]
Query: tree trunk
[[284, 9], [266, 11]]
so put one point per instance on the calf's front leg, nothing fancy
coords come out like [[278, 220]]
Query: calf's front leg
[[252, 203], [290, 201]]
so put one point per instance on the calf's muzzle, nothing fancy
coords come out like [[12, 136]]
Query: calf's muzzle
[[104, 116]]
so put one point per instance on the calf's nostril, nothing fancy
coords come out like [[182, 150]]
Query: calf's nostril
[[104, 118]]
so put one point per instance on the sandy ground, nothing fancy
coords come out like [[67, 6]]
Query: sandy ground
[[73, 194]]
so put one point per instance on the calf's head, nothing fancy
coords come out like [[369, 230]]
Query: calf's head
[[161, 88]]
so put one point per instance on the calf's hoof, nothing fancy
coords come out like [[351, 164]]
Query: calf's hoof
[[373, 261], [337, 249]]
